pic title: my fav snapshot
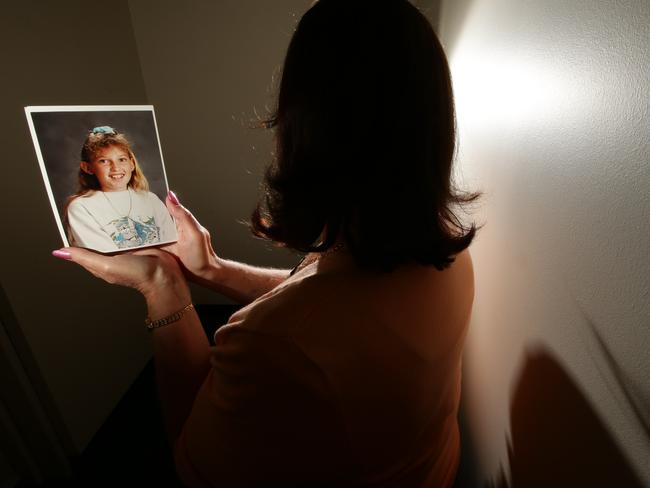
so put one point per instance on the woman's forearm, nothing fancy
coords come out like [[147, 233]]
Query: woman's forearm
[[181, 355], [241, 282], [182, 349]]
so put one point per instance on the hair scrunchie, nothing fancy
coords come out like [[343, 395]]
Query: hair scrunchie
[[104, 129]]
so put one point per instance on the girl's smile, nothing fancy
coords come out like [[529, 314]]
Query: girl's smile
[[112, 166]]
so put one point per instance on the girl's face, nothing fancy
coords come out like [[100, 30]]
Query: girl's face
[[112, 166]]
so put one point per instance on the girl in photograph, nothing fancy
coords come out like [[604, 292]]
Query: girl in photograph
[[113, 208]]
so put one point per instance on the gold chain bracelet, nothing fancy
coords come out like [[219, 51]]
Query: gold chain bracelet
[[152, 324]]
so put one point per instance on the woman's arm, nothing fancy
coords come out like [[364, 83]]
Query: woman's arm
[[181, 354], [181, 349], [237, 281]]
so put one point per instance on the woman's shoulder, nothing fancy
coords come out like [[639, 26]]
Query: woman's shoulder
[[413, 299], [461, 272], [282, 309], [412, 284], [429, 283], [427, 308], [432, 309]]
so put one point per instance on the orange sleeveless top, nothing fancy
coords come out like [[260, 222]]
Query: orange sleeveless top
[[334, 379]]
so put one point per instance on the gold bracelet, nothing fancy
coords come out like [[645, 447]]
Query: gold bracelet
[[152, 324]]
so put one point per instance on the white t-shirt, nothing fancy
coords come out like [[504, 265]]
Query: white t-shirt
[[108, 221]]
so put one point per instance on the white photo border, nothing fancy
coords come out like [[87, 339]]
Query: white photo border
[[29, 110]]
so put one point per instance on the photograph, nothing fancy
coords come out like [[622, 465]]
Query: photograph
[[104, 174]]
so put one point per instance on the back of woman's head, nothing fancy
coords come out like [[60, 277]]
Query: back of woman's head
[[365, 139]]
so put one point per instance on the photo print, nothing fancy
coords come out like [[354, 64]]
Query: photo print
[[104, 175]]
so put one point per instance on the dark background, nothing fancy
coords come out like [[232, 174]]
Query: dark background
[[61, 135]]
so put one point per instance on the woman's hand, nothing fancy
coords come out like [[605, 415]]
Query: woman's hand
[[194, 246], [153, 272], [237, 281]]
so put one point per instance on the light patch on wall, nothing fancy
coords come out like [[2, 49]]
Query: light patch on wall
[[502, 83], [497, 92]]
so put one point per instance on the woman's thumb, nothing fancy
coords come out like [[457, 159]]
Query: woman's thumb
[[171, 196], [182, 215]]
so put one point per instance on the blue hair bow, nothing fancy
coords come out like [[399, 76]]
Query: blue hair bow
[[104, 129]]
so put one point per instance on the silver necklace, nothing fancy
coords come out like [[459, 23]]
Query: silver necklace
[[116, 211]]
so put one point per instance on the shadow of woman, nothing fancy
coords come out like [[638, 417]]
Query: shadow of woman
[[557, 438]]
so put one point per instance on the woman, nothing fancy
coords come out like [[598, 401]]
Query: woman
[[345, 371]]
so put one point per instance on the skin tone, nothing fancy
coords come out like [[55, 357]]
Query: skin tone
[[181, 349], [112, 166]]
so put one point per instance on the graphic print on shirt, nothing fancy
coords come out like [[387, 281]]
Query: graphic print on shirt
[[127, 232]]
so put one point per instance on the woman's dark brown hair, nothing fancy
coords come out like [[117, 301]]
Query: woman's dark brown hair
[[365, 139]]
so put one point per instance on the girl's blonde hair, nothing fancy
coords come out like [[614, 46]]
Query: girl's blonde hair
[[100, 138]]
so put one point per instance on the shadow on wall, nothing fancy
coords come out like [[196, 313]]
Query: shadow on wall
[[557, 438]]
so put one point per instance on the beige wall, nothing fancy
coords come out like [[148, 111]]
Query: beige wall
[[553, 113], [81, 337], [208, 68]]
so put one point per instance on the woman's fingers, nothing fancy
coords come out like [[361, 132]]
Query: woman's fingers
[[194, 247], [96, 263], [134, 269], [185, 221], [192, 236]]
